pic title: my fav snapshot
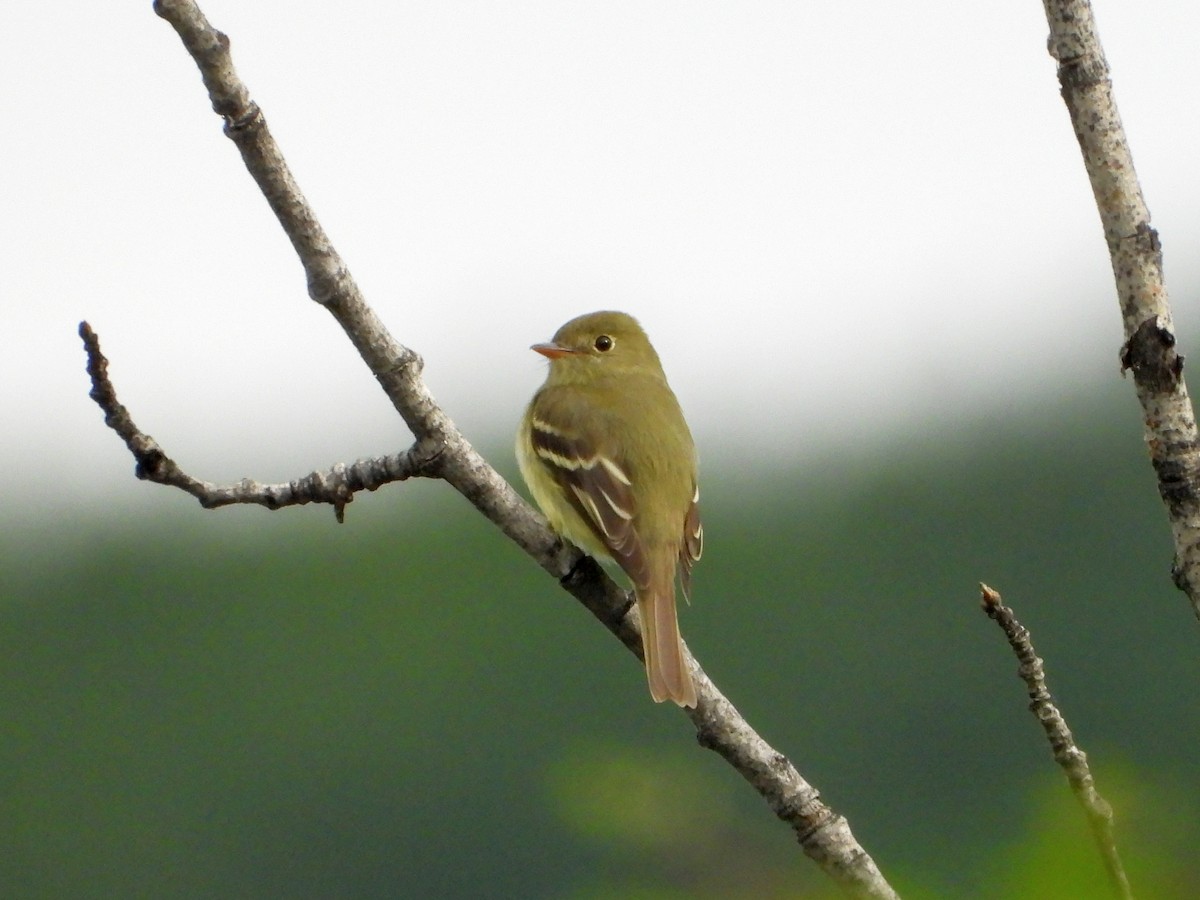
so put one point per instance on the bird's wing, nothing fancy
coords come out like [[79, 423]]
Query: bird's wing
[[692, 546], [599, 488]]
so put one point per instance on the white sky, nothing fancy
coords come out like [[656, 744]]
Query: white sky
[[831, 218]]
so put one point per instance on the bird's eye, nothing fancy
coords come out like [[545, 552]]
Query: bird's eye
[[604, 343]]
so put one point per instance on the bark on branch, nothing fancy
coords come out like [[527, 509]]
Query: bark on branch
[[442, 451], [1062, 743], [1149, 349], [335, 486]]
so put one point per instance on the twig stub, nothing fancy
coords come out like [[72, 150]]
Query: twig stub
[[1062, 743]]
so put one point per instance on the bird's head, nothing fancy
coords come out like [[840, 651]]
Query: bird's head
[[612, 341]]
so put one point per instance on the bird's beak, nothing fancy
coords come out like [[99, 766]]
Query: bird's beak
[[554, 351]]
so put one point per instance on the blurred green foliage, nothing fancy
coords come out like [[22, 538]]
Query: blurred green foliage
[[240, 703]]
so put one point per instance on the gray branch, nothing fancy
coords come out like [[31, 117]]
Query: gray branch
[[335, 486], [442, 451], [1066, 752], [1149, 349]]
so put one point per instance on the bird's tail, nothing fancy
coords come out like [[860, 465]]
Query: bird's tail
[[666, 667]]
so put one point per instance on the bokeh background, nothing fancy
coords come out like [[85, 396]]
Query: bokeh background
[[864, 244]]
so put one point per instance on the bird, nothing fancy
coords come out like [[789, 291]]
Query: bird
[[610, 461]]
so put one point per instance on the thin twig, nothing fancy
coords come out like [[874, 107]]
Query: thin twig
[[1133, 245], [823, 835], [335, 486], [1066, 752]]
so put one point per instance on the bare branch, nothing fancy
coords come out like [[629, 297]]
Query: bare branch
[[824, 835], [336, 486], [1066, 752], [1149, 349], [396, 367], [441, 450]]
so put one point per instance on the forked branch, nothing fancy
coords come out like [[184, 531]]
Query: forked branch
[[335, 486], [442, 451]]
